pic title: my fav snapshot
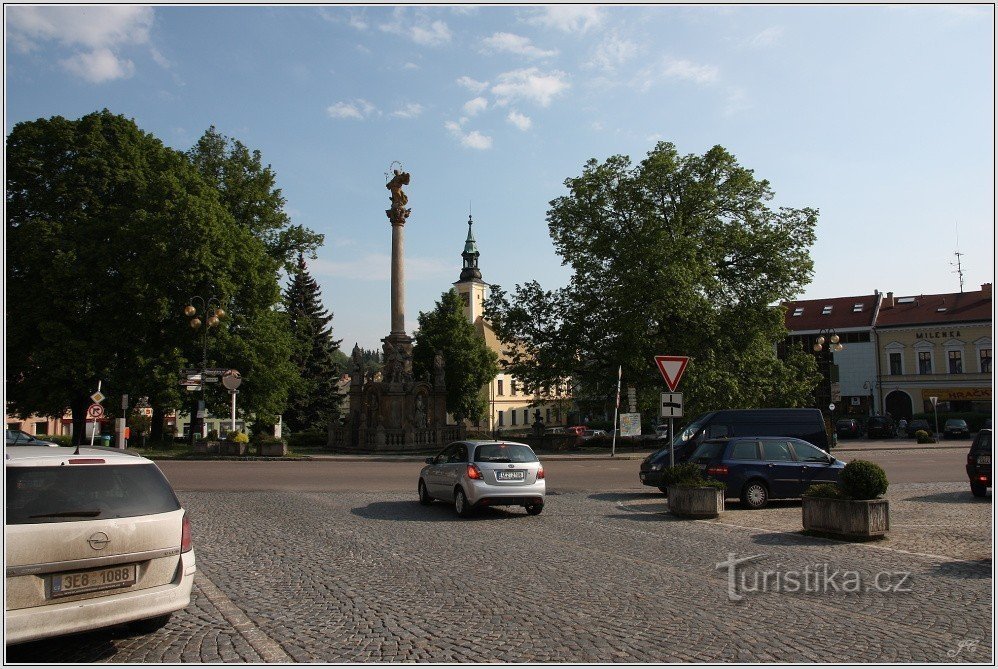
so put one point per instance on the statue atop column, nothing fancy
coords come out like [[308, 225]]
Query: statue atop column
[[398, 213]]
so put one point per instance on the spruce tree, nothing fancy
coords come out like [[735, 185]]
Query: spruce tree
[[315, 401]]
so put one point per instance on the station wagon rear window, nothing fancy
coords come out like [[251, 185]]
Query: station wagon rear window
[[75, 493], [504, 453]]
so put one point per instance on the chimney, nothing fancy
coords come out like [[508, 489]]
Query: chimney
[[986, 289], [890, 300]]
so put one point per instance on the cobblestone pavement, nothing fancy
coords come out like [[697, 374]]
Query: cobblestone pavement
[[605, 577]]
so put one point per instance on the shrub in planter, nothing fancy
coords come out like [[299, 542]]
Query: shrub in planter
[[235, 443], [268, 445], [923, 437], [851, 508], [212, 435], [690, 494]]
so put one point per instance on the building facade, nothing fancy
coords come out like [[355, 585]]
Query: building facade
[[512, 405], [898, 352]]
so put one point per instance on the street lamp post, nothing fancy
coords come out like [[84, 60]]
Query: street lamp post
[[207, 313], [828, 340]]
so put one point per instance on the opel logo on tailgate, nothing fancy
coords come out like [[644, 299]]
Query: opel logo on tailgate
[[511, 465], [98, 541]]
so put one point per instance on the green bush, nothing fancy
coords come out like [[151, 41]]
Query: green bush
[[687, 475], [923, 437], [308, 438], [212, 435], [826, 490], [266, 438], [61, 439], [862, 479], [238, 437]]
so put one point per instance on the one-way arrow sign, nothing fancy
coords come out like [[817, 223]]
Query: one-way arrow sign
[[672, 368]]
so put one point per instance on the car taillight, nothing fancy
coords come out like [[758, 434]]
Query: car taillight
[[540, 472], [983, 478], [717, 470], [186, 542], [474, 472]]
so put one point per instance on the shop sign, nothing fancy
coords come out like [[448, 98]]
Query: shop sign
[[958, 394]]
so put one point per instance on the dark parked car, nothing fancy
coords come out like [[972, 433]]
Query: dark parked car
[[956, 428], [881, 427], [979, 466], [918, 424], [847, 428], [806, 424], [757, 469]]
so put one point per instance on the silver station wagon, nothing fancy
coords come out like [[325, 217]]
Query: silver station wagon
[[474, 474], [93, 538]]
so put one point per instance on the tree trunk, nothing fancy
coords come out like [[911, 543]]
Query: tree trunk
[[79, 406], [156, 428]]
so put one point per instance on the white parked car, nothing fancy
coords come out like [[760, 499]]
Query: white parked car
[[22, 438], [93, 539]]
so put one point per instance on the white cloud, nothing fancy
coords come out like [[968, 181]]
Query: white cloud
[[420, 31], [472, 140], [673, 68], [410, 66], [357, 22], [736, 101], [529, 84], [596, 125], [409, 110], [101, 32], [472, 85], [358, 109], [568, 18], [767, 37], [519, 120], [516, 44], [98, 66], [612, 52], [472, 107]]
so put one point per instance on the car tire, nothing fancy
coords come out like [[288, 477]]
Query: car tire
[[461, 506], [149, 625], [978, 489], [424, 497], [755, 494], [533, 509]]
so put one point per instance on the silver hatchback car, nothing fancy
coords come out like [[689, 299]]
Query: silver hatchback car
[[473, 474]]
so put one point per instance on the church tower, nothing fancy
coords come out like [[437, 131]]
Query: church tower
[[470, 286]]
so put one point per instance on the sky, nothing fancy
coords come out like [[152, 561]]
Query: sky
[[880, 117]]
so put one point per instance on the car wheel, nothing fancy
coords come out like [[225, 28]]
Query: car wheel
[[149, 625], [534, 509], [755, 495], [978, 489], [424, 497], [461, 505]]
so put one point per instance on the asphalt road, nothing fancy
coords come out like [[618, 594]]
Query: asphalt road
[[910, 465]]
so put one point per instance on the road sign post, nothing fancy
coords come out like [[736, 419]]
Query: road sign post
[[671, 367]]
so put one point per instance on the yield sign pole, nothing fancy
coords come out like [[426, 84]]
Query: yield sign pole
[[671, 367]]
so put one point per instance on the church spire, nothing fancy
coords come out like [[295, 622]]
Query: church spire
[[470, 271]]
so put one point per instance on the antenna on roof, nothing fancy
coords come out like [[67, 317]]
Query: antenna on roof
[[958, 264]]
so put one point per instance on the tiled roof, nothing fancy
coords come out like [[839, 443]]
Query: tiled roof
[[835, 312], [933, 309]]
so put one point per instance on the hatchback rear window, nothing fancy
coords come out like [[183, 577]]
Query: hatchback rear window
[[71, 494], [504, 453]]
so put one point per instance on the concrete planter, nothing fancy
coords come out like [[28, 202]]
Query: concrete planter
[[206, 446], [276, 449], [233, 448], [847, 518], [696, 502]]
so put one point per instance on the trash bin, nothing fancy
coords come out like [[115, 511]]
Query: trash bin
[[105, 440]]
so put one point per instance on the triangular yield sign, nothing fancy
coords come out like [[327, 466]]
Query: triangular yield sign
[[672, 368]]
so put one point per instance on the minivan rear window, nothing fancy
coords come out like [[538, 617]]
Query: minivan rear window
[[504, 453], [72, 494]]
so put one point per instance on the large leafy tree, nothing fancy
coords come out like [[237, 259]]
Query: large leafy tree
[[247, 189], [469, 363], [109, 235], [676, 255], [315, 400]]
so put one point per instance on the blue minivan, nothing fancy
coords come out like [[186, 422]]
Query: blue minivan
[[757, 469]]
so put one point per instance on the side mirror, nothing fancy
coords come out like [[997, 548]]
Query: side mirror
[[831, 459]]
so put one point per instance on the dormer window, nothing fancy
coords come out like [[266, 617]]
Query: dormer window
[[827, 311], [856, 308], [905, 300], [799, 311], [941, 309]]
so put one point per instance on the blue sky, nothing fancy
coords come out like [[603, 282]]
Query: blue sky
[[881, 117]]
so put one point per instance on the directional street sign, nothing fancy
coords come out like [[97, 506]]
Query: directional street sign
[[671, 405], [97, 397], [95, 411], [672, 368]]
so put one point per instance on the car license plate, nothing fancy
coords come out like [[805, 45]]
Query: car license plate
[[105, 578], [984, 459], [514, 475]]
